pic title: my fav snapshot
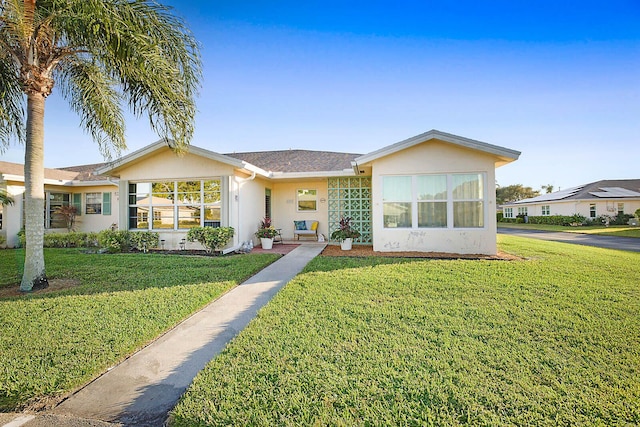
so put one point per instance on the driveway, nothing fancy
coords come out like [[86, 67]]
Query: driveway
[[609, 242]]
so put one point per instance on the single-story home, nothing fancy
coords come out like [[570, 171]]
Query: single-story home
[[606, 197], [431, 192]]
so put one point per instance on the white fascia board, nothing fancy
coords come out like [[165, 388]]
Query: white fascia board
[[255, 169], [144, 151], [10, 177], [100, 183], [311, 175], [442, 136]]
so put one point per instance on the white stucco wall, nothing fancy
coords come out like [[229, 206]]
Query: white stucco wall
[[284, 206], [427, 158], [12, 214]]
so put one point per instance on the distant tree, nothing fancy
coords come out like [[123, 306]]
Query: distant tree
[[513, 193], [547, 188], [68, 212]]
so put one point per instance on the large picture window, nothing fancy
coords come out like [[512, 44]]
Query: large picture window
[[434, 201], [175, 205], [54, 201]]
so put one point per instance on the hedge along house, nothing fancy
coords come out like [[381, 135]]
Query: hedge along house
[[593, 200], [95, 199], [432, 192]]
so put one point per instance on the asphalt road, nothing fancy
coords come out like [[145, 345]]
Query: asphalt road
[[609, 242]]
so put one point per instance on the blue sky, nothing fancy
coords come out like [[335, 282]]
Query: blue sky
[[557, 80]]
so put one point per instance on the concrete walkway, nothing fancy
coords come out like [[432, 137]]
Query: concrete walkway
[[141, 390], [608, 242]]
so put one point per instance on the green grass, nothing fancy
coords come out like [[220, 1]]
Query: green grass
[[550, 340], [52, 343], [613, 230]]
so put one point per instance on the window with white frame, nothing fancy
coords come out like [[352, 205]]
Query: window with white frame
[[433, 201], [620, 208], [93, 203], [546, 210], [592, 210], [523, 210], [307, 200], [508, 212], [175, 205]]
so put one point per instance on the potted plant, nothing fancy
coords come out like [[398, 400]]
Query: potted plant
[[266, 233], [345, 234]]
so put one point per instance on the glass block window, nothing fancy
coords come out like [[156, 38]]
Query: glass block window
[[351, 197]]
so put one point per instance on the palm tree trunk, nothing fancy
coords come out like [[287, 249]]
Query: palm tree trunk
[[34, 272]]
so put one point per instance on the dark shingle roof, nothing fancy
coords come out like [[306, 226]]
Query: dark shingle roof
[[297, 160], [85, 172]]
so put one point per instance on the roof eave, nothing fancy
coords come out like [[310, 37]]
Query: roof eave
[[506, 155]]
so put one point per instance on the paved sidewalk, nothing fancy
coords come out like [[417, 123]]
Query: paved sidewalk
[[141, 390]]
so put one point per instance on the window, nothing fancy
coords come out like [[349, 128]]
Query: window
[[433, 201], [620, 208], [508, 212], [468, 201], [77, 203], [546, 210], [307, 200], [175, 205], [396, 201], [54, 201], [523, 210], [592, 210], [93, 203]]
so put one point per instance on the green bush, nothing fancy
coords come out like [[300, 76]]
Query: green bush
[[115, 241], [144, 240], [213, 239], [2, 240], [558, 220]]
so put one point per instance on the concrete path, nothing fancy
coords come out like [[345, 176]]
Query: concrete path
[[141, 390], [609, 242]]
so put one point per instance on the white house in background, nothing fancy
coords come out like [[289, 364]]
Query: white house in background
[[432, 192], [606, 197]]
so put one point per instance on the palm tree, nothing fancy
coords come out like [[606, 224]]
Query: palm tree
[[5, 199], [102, 54]]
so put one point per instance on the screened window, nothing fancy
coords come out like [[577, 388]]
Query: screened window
[[433, 201], [175, 205], [546, 210], [307, 200]]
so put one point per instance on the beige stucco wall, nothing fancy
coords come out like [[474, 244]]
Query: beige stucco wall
[[284, 206], [96, 222], [164, 164], [426, 158]]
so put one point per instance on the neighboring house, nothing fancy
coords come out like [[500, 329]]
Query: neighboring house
[[606, 197], [433, 192]]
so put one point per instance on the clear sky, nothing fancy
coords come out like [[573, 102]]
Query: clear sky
[[557, 80]]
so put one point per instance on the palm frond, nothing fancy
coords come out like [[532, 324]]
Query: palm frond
[[93, 96], [11, 104]]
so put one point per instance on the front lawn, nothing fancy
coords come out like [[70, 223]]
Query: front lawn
[[613, 230], [550, 340], [54, 342]]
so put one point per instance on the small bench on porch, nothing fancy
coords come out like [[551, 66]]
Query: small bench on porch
[[305, 228]]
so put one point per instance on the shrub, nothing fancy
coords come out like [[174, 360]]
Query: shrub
[[2, 239], [144, 240], [115, 241], [212, 239], [638, 213]]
